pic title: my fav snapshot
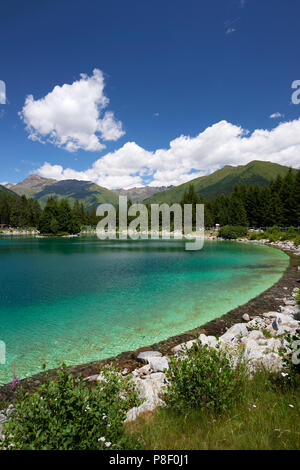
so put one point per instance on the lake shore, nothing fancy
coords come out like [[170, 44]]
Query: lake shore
[[270, 299]]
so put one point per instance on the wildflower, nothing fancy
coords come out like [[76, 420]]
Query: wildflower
[[254, 406], [292, 406], [15, 382], [102, 439], [108, 444], [284, 374]]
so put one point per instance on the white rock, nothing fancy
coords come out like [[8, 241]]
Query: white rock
[[235, 333], [208, 340], [255, 334], [272, 362], [146, 355], [257, 323], [159, 364], [246, 317], [253, 350]]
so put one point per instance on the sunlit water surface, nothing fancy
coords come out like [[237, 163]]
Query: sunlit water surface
[[80, 300]]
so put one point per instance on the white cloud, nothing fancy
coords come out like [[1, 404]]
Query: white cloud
[[70, 116], [276, 115], [2, 92], [230, 30], [188, 157]]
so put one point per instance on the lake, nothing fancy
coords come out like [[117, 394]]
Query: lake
[[83, 299]]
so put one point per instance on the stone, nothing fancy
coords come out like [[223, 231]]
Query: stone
[[209, 340], [144, 356], [235, 333], [145, 370], [91, 378], [272, 362], [257, 323], [159, 364], [255, 334], [246, 317], [253, 350]]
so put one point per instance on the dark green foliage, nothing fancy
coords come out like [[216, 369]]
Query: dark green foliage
[[230, 232], [204, 379], [69, 414]]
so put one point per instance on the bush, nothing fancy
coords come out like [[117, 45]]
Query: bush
[[232, 232], [70, 414], [297, 240], [291, 354], [204, 379], [253, 236], [291, 233]]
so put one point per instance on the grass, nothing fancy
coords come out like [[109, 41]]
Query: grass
[[265, 420]]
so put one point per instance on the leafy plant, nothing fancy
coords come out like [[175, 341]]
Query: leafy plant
[[67, 413], [290, 354], [204, 378], [232, 232]]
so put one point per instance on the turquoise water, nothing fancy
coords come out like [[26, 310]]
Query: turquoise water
[[80, 300]]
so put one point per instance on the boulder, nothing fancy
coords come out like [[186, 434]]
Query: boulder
[[235, 333], [272, 362], [257, 323], [158, 364], [209, 340], [246, 317], [146, 355]]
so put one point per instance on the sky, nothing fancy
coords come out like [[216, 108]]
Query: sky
[[133, 93]]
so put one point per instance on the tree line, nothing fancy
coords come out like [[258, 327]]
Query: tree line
[[56, 217], [254, 206], [250, 206]]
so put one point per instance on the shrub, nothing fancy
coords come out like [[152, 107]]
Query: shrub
[[291, 354], [253, 236], [297, 240], [291, 233], [204, 379], [70, 414], [232, 232]]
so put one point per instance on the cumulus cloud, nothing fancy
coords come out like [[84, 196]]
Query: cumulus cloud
[[188, 157], [71, 116], [276, 115]]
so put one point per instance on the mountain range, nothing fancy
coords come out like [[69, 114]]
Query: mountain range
[[91, 194], [224, 180]]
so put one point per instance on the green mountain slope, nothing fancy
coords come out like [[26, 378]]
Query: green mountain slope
[[86, 192], [3, 189], [224, 180]]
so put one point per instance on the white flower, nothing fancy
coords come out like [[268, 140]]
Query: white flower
[[108, 444], [254, 406], [102, 439], [284, 374], [292, 406], [104, 417]]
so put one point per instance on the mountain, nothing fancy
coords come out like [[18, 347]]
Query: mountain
[[86, 192], [31, 185], [4, 189], [224, 180], [90, 194], [8, 185], [139, 194]]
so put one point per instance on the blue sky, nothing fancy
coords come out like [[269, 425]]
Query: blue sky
[[189, 86]]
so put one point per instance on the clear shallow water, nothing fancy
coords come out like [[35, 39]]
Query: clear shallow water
[[80, 300]]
